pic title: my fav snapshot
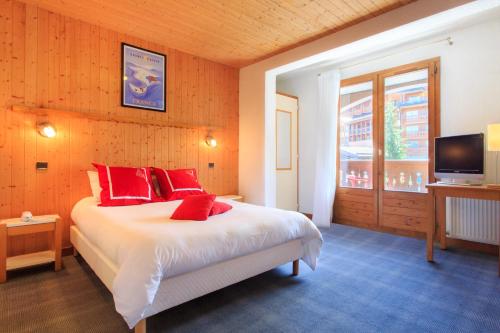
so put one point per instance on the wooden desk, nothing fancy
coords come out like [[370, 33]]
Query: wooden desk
[[441, 191]]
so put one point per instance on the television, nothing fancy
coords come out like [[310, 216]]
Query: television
[[459, 157]]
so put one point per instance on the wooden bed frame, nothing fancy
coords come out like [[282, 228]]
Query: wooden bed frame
[[223, 274]]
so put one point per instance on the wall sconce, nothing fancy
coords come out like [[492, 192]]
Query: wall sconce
[[46, 130], [210, 141]]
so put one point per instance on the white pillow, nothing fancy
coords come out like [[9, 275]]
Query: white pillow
[[94, 185]]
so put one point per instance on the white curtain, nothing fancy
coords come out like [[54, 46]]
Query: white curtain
[[326, 147]]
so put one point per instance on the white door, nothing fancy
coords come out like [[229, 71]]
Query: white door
[[286, 152]]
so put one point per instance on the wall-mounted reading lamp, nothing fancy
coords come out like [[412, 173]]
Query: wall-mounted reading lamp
[[210, 141], [46, 129]]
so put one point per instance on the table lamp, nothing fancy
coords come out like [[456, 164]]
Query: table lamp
[[494, 145]]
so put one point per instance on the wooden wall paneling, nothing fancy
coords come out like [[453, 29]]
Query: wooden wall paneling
[[103, 72], [95, 51], [42, 72], [52, 78], [11, 147], [60, 102], [184, 100], [178, 87], [98, 139], [30, 176], [183, 147], [81, 142], [55, 62], [171, 87], [65, 81], [211, 119], [117, 143], [84, 67], [151, 151], [114, 74], [18, 184], [132, 151], [203, 106], [61, 173], [165, 147], [5, 90], [73, 33], [18, 52], [31, 58]]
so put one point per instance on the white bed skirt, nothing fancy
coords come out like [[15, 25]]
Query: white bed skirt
[[183, 288]]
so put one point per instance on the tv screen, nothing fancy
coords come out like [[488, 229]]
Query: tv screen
[[463, 154]]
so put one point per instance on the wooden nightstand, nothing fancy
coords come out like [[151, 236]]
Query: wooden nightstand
[[234, 197], [15, 227]]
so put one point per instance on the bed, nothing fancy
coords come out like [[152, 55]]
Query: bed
[[151, 263]]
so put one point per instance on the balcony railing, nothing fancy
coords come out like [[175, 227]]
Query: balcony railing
[[399, 175]]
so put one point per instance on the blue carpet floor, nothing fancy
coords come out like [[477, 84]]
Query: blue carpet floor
[[365, 282]]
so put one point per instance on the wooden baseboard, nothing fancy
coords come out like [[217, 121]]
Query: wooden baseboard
[[378, 228]]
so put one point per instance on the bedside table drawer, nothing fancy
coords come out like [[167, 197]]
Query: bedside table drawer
[[30, 229]]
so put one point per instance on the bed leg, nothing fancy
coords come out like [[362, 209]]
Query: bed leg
[[140, 327], [295, 267], [75, 252]]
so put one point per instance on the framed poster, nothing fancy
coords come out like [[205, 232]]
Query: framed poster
[[144, 78]]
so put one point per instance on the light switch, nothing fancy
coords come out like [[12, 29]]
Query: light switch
[[42, 165]]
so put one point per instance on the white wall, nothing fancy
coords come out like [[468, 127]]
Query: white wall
[[252, 148], [470, 85], [304, 87]]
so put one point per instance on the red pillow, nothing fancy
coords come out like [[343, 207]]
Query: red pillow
[[177, 184], [123, 186], [194, 207], [219, 208]]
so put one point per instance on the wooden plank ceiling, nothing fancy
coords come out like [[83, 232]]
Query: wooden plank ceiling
[[232, 32]]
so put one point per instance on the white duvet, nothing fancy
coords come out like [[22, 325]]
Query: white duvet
[[147, 246]]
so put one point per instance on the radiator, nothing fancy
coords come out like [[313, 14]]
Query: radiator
[[473, 220]]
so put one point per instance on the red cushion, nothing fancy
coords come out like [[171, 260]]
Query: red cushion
[[177, 184], [194, 207], [123, 186], [219, 208]]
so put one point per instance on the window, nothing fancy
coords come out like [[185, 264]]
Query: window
[[356, 136], [406, 158]]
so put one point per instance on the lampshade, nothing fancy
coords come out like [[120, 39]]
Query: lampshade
[[494, 137]]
